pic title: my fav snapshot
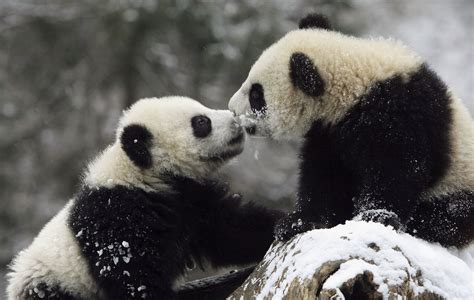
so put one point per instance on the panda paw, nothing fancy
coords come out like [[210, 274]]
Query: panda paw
[[291, 225], [383, 216]]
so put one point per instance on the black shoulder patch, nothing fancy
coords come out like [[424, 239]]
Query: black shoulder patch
[[305, 76], [315, 21], [136, 140]]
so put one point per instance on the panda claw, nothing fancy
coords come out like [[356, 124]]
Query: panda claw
[[385, 217]]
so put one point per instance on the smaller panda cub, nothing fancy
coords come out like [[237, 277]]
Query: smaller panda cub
[[146, 209]]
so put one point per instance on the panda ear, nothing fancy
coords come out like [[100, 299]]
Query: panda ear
[[305, 76], [315, 21], [136, 140]]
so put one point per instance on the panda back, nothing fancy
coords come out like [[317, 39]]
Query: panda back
[[54, 259], [460, 174]]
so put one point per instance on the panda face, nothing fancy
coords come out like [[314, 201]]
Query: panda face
[[314, 74], [269, 102], [178, 135]]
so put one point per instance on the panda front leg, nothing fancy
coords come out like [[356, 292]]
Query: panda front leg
[[147, 285], [387, 197], [446, 219], [141, 273], [318, 206], [377, 211], [237, 233], [393, 160], [324, 201], [327, 209]]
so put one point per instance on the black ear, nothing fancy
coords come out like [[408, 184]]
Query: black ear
[[305, 75], [136, 140], [315, 21]]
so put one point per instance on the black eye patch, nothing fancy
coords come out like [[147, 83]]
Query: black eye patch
[[257, 98], [202, 126], [136, 140]]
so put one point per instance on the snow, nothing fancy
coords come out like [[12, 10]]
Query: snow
[[255, 154], [467, 255], [141, 288], [41, 294], [368, 246]]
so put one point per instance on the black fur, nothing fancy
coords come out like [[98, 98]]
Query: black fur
[[315, 21], [252, 129], [390, 147], [41, 291], [305, 76], [257, 99], [448, 220], [136, 140], [162, 232]]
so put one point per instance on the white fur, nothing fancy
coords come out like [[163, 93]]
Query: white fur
[[460, 176], [348, 65], [174, 149], [54, 258]]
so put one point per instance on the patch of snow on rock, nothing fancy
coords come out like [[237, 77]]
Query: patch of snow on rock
[[372, 247]]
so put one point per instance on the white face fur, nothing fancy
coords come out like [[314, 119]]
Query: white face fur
[[347, 66], [170, 135]]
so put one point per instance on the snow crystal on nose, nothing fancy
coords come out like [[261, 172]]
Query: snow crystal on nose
[[247, 120], [236, 123]]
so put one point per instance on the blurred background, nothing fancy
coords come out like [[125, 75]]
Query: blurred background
[[69, 67]]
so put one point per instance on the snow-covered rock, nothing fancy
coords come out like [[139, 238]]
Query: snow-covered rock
[[359, 260]]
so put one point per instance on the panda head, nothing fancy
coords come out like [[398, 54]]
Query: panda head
[[313, 74], [177, 136]]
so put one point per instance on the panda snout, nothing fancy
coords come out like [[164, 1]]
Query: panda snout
[[236, 126], [238, 137], [251, 129], [237, 132]]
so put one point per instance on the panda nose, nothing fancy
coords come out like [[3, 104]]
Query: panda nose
[[236, 126], [236, 121]]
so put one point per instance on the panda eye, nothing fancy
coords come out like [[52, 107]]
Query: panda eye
[[257, 99], [201, 126]]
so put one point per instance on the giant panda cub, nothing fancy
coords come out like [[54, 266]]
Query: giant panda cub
[[147, 207], [384, 139]]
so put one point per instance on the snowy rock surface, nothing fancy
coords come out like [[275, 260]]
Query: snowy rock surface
[[359, 259]]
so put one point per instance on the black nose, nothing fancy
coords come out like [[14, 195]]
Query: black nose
[[235, 123], [238, 138], [236, 127], [239, 130], [251, 129]]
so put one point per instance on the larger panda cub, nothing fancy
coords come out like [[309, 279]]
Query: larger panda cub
[[147, 208], [384, 138]]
